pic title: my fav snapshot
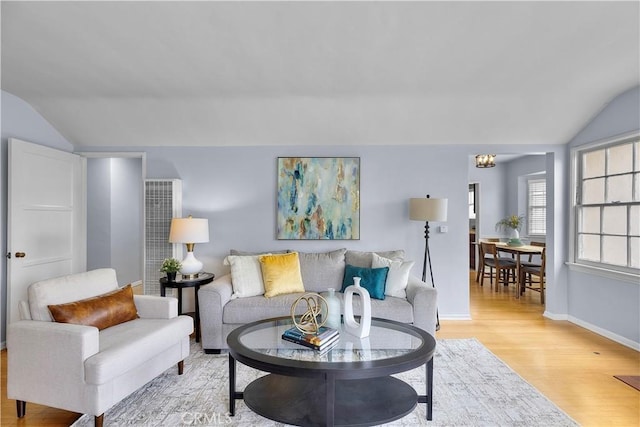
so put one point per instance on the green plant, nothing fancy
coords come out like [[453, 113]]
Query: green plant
[[513, 221], [170, 265]]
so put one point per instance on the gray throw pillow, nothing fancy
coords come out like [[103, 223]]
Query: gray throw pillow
[[321, 271], [364, 259]]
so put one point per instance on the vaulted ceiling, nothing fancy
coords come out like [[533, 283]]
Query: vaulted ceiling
[[279, 73]]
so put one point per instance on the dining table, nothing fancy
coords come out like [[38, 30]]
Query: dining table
[[517, 251]]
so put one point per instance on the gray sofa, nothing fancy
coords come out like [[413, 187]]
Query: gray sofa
[[220, 313]]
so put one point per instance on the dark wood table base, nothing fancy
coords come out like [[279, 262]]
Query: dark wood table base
[[303, 401]]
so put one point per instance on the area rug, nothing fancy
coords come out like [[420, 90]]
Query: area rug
[[632, 380], [472, 387]]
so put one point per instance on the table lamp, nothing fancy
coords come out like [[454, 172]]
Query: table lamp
[[189, 231], [428, 209]]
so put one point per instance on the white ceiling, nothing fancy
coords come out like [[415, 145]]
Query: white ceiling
[[279, 73]]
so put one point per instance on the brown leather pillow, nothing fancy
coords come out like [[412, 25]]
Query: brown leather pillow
[[101, 311]]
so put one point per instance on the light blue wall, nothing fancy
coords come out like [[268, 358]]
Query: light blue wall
[[235, 188], [98, 213], [19, 120], [602, 303], [114, 216]]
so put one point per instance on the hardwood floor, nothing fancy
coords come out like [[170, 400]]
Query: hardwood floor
[[570, 365]]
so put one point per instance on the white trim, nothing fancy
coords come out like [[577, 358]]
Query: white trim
[[555, 316], [456, 317], [605, 333], [3, 345], [604, 272]]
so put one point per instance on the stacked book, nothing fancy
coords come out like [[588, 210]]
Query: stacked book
[[322, 340]]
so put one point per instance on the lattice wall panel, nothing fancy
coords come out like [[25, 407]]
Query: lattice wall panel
[[163, 201]]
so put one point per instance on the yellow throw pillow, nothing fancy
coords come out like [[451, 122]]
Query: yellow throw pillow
[[281, 274]]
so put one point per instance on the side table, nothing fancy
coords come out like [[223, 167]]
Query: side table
[[180, 284]]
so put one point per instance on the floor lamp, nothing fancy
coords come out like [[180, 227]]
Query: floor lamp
[[434, 210]]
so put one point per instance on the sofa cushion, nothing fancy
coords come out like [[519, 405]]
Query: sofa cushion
[[365, 259], [373, 279], [245, 310], [246, 275], [281, 274], [102, 311], [69, 288], [321, 271], [398, 275], [127, 345]]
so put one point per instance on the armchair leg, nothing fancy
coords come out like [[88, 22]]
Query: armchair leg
[[180, 367], [21, 408], [99, 420]]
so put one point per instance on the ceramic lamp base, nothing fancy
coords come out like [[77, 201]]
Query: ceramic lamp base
[[190, 266]]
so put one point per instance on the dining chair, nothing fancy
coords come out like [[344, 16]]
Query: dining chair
[[504, 267], [532, 276], [480, 274]]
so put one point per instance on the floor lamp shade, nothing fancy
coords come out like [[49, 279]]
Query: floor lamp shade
[[427, 209], [189, 231]]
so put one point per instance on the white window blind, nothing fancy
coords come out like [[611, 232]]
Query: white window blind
[[537, 206]]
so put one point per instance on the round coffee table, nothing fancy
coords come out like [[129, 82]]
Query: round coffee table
[[349, 385]]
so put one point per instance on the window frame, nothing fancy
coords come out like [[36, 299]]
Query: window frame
[[626, 273], [536, 179]]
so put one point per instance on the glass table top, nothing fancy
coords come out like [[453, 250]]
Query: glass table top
[[386, 340]]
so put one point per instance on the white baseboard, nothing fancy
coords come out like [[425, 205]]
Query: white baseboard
[[605, 333], [555, 316], [456, 317], [3, 345]]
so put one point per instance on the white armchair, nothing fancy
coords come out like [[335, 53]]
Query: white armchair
[[82, 369]]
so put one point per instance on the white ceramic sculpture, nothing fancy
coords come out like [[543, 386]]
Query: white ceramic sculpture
[[351, 326]]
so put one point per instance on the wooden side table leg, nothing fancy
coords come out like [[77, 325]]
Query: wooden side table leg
[[197, 315], [179, 300]]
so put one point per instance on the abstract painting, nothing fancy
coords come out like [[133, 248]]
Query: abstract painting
[[318, 198]]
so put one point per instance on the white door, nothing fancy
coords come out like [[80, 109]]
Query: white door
[[46, 218]]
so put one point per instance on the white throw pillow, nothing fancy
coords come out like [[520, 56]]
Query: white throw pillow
[[397, 277], [246, 275]]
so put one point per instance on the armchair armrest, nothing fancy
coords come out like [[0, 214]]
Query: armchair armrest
[[212, 299], [155, 307], [424, 299], [46, 360]]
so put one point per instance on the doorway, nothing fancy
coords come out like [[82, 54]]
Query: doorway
[[115, 214]]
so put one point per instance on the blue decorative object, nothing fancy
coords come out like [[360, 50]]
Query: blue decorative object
[[373, 279]]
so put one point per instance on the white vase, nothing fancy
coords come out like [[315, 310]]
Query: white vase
[[333, 309], [514, 237], [359, 329]]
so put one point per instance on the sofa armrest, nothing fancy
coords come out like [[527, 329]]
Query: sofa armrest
[[155, 307], [424, 299], [212, 299], [46, 360]]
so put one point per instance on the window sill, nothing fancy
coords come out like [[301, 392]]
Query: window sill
[[603, 272]]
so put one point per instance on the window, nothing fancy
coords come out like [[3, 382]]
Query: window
[[537, 207], [607, 206]]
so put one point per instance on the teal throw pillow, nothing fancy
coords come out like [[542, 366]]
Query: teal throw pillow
[[373, 279]]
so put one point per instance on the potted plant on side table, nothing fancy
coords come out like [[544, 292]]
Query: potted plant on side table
[[171, 266], [512, 224]]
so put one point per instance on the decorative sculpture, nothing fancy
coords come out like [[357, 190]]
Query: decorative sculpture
[[315, 315]]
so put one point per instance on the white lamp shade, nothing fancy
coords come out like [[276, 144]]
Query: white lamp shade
[[189, 230], [427, 209]]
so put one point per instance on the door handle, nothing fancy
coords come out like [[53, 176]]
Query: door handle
[[20, 255]]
